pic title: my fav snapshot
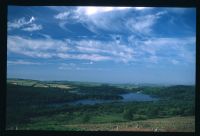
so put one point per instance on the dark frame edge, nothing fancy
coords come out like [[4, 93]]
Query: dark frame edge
[[94, 133], [197, 99], [3, 65], [147, 3]]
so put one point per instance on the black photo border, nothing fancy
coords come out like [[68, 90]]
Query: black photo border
[[135, 3]]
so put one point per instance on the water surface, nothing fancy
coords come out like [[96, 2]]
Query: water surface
[[136, 97], [127, 97]]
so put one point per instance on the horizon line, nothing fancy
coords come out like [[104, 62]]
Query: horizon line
[[157, 84]]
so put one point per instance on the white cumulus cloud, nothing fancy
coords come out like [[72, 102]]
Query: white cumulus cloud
[[24, 24], [62, 15]]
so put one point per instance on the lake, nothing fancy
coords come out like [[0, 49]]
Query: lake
[[128, 97], [136, 97]]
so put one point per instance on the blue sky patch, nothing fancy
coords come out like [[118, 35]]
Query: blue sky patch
[[102, 44]]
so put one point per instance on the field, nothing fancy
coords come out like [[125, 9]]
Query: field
[[49, 105], [173, 124], [182, 124]]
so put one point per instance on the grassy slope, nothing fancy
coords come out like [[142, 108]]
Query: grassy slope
[[173, 124], [182, 124]]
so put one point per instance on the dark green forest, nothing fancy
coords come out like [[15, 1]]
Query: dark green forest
[[29, 105]]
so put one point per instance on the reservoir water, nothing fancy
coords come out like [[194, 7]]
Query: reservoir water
[[128, 97], [136, 97]]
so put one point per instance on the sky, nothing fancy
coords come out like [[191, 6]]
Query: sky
[[102, 44]]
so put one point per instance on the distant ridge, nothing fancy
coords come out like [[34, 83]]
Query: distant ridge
[[101, 83]]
